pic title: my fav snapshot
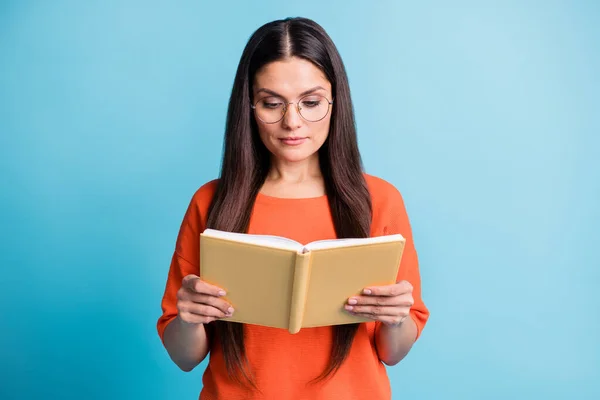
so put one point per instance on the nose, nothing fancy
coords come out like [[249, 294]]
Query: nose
[[292, 119]]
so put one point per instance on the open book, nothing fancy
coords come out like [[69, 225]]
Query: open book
[[277, 282]]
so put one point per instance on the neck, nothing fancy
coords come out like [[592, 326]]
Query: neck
[[295, 172]]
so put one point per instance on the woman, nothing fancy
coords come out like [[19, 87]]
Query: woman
[[291, 167]]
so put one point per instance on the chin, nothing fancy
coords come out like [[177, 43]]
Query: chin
[[293, 158], [294, 155]]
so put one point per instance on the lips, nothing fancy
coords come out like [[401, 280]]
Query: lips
[[293, 141]]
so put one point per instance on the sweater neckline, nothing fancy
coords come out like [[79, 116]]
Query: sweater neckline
[[263, 198]]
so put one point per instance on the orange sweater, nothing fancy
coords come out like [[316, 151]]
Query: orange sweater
[[281, 362]]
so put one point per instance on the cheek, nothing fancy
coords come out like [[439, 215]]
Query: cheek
[[322, 131], [266, 132]]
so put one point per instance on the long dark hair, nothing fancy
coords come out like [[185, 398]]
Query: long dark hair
[[246, 162]]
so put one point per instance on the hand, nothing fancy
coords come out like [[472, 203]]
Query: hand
[[388, 304], [199, 302]]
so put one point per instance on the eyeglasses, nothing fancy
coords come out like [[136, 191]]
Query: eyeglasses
[[312, 108]]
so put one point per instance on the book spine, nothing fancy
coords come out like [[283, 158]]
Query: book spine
[[299, 291]]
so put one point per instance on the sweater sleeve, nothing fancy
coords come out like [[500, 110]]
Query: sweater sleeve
[[185, 261], [398, 222]]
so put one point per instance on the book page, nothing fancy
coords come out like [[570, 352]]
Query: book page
[[258, 280], [277, 242], [336, 243], [339, 273]]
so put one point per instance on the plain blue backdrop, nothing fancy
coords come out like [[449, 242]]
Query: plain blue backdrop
[[484, 114]]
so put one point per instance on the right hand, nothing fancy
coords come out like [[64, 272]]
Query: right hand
[[200, 303]]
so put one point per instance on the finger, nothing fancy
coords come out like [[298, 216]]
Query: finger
[[216, 302], [392, 320], [396, 289], [195, 284], [405, 300], [203, 310], [189, 318], [377, 311]]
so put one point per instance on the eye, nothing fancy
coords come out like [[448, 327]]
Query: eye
[[271, 103], [311, 102]]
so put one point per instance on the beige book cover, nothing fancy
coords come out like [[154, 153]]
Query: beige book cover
[[277, 282]]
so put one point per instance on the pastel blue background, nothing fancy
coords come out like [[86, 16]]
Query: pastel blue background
[[484, 115]]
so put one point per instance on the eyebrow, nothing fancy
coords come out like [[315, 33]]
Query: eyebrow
[[272, 93]]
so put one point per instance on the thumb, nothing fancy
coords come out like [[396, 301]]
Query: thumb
[[189, 282], [196, 284]]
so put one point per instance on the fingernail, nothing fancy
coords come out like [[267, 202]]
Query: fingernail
[[367, 291], [230, 310], [349, 308], [222, 293], [352, 301]]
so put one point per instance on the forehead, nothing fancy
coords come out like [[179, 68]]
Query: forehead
[[290, 77]]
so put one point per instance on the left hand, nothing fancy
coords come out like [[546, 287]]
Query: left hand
[[388, 304]]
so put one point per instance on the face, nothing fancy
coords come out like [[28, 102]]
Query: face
[[297, 136]]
